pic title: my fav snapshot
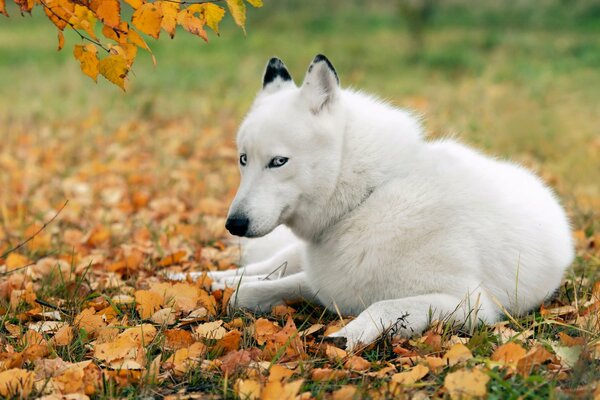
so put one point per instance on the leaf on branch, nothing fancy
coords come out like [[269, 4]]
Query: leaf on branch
[[170, 9], [255, 3], [84, 18], [3, 8], [107, 11], [211, 13], [114, 68], [61, 40], [25, 5], [237, 8], [148, 19], [119, 34], [59, 12], [135, 4], [191, 23], [88, 59]]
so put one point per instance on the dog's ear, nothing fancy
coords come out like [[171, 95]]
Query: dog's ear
[[321, 85], [276, 76]]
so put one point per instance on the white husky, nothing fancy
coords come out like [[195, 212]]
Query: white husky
[[387, 225]]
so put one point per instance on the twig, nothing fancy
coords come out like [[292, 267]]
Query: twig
[[29, 239], [81, 35], [52, 306]]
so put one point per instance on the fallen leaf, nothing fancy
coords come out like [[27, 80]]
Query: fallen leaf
[[327, 374], [210, 330], [277, 390], [262, 329], [16, 382], [465, 384], [457, 353], [356, 363], [247, 389], [509, 354], [411, 376]]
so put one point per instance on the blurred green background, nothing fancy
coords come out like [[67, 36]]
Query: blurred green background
[[518, 78]]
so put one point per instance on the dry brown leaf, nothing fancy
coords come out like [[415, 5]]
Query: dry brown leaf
[[166, 316], [327, 374], [277, 390], [16, 382], [210, 330], [187, 358], [148, 302], [356, 363], [176, 339], [411, 376], [335, 354], [279, 372], [229, 342], [247, 389], [262, 329], [346, 392], [457, 354], [235, 360], [466, 384], [509, 354], [534, 357], [63, 336]]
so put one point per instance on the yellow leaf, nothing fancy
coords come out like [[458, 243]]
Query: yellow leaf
[[191, 23], [465, 384], [255, 3], [16, 261], [458, 353], [276, 390], [148, 302], [170, 9], [84, 18], [107, 11], [88, 59], [237, 8], [148, 19], [16, 382], [115, 69], [344, 393], [59, 12], [247, 389], [279, 373], [411, 376], [135, 4], [212, 13], [210, 330]]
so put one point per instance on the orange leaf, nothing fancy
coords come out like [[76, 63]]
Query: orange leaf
[[457, 353], [411, 376], [16, 382], [148, 18], [3, 8], [171, 259], [135, 4], [509, 353], [276, 390], [176, 339], [357, 363], [147, 302], [90, 321], [25, 5], [59, 12], [191, 23], [61, 40], [16, 261], [115, 69], [107, 11], [328, 374], [263, 328], [229, 342], [63, 336], [170, 9], [247, 389], [463, 384], [89, 65], [534, 357]]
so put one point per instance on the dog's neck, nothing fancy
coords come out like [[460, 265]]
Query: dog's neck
[[359, 175]]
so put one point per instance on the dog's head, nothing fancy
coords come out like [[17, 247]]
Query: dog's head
[[289, 148]]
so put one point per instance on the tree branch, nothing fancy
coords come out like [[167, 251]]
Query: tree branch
[[29, 239]]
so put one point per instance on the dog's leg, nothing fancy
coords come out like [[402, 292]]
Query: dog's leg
[[404, 317], [261, 296], [286, 262]]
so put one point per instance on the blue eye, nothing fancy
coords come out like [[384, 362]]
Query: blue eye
[[277, 162], [243, 159]]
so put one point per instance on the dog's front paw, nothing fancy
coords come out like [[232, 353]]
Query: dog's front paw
[[356, 335], [253, 297]]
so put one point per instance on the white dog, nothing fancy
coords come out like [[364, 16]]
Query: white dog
[[387, 225]]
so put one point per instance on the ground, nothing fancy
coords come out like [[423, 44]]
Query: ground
[[117, 189]]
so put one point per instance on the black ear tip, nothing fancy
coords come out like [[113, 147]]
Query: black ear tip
[[275, 62], [321, 58], [276, 69]]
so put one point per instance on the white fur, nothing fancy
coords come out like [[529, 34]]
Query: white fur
[[389, 223]]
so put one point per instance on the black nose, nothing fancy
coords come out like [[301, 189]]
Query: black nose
[[237, 225]]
